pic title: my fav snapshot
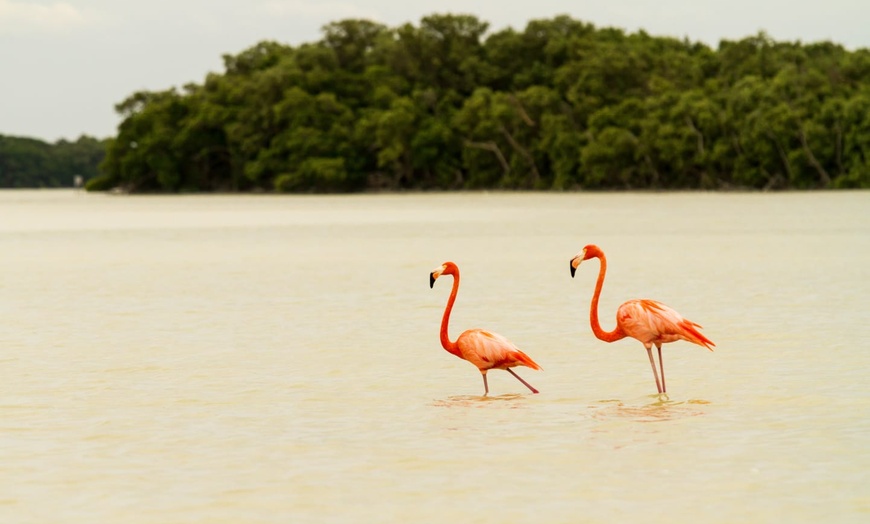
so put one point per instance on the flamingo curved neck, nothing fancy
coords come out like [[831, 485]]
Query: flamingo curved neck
[[451, 347], [607, 336]]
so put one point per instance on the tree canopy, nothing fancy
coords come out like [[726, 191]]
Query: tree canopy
[[445, 104], [28, 162]]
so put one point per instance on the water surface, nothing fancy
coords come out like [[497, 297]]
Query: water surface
[[276, 359]]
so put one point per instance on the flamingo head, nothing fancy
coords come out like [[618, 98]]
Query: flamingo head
[[447, 268], [590, 251]]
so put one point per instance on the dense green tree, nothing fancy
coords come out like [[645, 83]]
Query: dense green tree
[[27, 162], [560, 104]]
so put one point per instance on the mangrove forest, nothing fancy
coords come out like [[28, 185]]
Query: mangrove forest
[[447, 104], [29, 162]]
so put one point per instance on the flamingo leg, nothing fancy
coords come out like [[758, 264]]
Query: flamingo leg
[[662, 367], [655, 371], [521, 380], [485, 385]]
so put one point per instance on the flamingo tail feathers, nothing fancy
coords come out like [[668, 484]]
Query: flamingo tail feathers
[[525, 360], [692, 334]]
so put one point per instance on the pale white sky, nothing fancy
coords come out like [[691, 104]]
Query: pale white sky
[[65, 64]]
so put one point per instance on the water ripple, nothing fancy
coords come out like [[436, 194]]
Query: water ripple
[[508, 400], [660, 409]]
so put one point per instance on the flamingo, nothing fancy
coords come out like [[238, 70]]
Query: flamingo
[[648, 321], [484, 349]]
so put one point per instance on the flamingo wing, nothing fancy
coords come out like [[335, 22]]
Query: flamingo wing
[[488, 350], [651, 321]]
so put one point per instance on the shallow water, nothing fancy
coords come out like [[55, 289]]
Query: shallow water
[[274, 359]]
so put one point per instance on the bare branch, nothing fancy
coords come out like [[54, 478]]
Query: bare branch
[[839, 147], [521, 110], [823, 175], [698, 132], [522, 151], [493, 147]]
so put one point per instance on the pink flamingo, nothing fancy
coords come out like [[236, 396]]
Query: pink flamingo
[[648, 321], [484, 349]]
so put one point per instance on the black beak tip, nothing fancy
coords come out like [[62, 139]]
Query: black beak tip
[[573, 269], [431, 280]]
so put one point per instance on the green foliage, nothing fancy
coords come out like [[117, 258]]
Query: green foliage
[[27, 162], [445, 104], [314, 174], [101, 183]]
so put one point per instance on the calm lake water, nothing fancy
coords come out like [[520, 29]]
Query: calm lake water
[[276, 359]]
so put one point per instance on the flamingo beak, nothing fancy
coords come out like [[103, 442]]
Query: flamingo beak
[[575, 262], [433, 276]]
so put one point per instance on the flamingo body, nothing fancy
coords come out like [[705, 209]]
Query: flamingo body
[[652, 322], [488, 350], [648, 321], [485, 349]]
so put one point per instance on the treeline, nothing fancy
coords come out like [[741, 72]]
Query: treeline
[[28, 162], [561, 104]]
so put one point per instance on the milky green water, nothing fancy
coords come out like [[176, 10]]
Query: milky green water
[[276, 359]]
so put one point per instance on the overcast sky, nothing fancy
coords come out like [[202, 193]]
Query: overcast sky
[[65, 64]]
